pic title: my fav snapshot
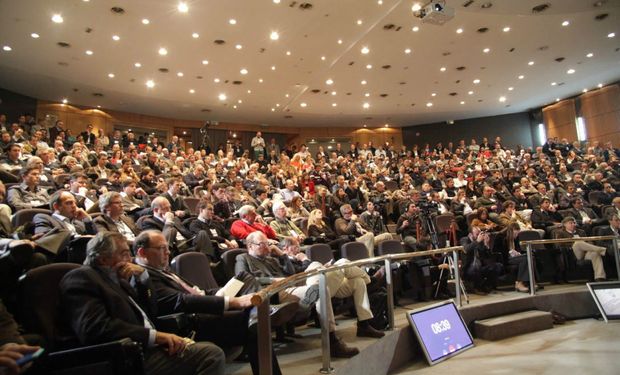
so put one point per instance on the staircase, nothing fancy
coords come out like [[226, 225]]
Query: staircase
[[505, 326]]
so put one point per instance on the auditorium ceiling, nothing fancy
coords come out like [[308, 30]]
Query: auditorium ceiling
[[308, 63]]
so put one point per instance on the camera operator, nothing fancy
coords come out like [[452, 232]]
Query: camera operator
[[480, 266], [406, 226]]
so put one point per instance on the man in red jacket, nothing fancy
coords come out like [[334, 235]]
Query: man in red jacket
[[251, 222]]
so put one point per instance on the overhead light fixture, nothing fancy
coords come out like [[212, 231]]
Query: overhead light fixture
[[570, 71], [192, 91], [442, 69], [274, 35], [565, 23], [429, 104], [180, 74], [408, 50], [521, 77], [111, 75], [303, 105], [243, 71], [150, 83], [65, 101], [416, 7], [506, 29], [89, 52], [365, 50], [502, 99], [195, 35], [368, 66], [476, 81], [238, 46], [530, 63], [415, 29], [363, 82], [145, 21], [511, 88], [137, 65], [590, 54], [486, 50], [34, 35], [459, 31], [183, 7], [611, 35], [205, 62], [221, 97], [57, 18], [329, 81], [116, 38], [232, 21], [7, 48], [162, 51], [366, 105], [600, 85]]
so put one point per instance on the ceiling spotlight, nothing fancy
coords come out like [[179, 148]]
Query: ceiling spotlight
[[274, 35], [408, 50], [65, 101], [511, 88], [359, 22], [243, 71], [470, 93], [34, 35], [162, 51], [334, 93], [89, 52], [111, 75], [434, 94], [195, 35], [387, 125], [565, 23], [530, 63], [192, 91], [221, 97], [611, 35], [180, 74], [334, 104], [116, 38], [249, 91], [600, 85], [57, 18], [380, 2], [557, 99], [429, 104], [363, 82], [183, 7], [584, 90], [137, 65], [554, 83], [506, 29], [205, 62], [476, 81], [486, 50], [150, 83], [145, 21], [232, 21], [323, 58], [238, 46], [416, 7], [459, 31], [442, 69], [367, 94], [521, 77], [365, 50], [368, 66], [366, 105], [260, 80], [502, 99], [590, 54], [339, 41], [276, 1], [273, 67], [7, 48], [288, 53], [303, 105], [570, 71], [462, 102], [216, 80], [329, 81], [415, 29]]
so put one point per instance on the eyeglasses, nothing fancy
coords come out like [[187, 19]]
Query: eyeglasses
[[259, 244]]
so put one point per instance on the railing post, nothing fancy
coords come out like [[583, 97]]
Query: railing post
[[390, 291], [264, 338], [457, 278], [323, 296], [616, 256], [530, 269]]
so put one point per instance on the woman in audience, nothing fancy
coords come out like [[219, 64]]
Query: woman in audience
[[297, 211], [482, 221], [318, 229]]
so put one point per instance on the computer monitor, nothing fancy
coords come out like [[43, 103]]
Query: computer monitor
[[606, 295], [441, 331]]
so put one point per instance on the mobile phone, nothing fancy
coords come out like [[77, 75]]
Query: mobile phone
[[27, 358]]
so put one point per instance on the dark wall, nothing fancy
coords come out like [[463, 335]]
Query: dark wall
[[13, 105], [514, 128]]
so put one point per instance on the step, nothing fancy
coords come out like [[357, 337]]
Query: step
[[504, 326]]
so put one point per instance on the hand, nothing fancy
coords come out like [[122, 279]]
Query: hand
[[80, 214], [126, 270], [9, 353], [259, 219], [276, 250], [240, 303], [354, 217], [179, 213], [169, 216], [172, 343], [232, 244], [405, 224], [301, 257]]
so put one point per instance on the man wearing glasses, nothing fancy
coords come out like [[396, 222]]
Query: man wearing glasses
[[351, 225]]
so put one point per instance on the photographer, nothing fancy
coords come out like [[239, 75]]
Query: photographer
[[480, 266], [406, 226]]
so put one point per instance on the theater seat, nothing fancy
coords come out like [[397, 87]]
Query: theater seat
[[320, 252], [354, 251], [196, 268]]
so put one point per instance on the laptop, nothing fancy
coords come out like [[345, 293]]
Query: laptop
[[606, 295]]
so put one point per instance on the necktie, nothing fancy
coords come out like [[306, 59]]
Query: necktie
[[183, 284]]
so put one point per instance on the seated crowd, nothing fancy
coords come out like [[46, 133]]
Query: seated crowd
[[124, 206]]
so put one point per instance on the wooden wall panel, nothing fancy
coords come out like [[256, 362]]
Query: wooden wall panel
[[600, 110], [559, 120]]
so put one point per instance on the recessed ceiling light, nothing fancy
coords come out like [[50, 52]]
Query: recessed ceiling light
[[365, 50], [221, 97], [243, 71], [434, 94], [288, 53], [273, 67], [511, 88], [205, 62], [239, 101], [459, 31], [611, 35], [34, 35], [238, 46], [137, 65], [429, 104], [162, 51], [367, 94], [323, 58], [278, 105], [274, 35], [530, 63], [249, 91], [506, 29], [89, 52], [334, 104], [7, 48], [600, 85], [359, 22], [183, 7], [145, 21], [116, 38], [584, 90], [98, 106], [329, 81], [470, 93], [232, 21], [195, 35], [334, 93], [380, 2], [486, 50], [363, 82], [192, 91], [408, 50], [521, 77], [415, 7], [365, 125], [216, 80], [339, 41], [366, 105], [590, 54], [303, 105], [570, 71], [276, 1], [180, 74], [502, 99], [387, 125], [368, 66], [65, 101], [415, 29], [111, 75], [476, 81], [57, 18], [565, 23], [462, 102], [554, 83], [150, 83], [260, 80], [443, 69]]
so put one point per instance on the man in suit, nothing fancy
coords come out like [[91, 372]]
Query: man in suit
[[612, 230], [583, 250], [179, 238], [222, 320], [218, 232], [88, 136], [113, 218], [28, 194], [263, 262], [78, 186], [99, 304], [250, 222], [177, 205], [66, 216], [586, 217], [614, 209], [545, 217], [135, 200]]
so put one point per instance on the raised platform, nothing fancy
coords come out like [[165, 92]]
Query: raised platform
[[398, 351]]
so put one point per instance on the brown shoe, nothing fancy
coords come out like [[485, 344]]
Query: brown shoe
[[369, 331], [339, 349]]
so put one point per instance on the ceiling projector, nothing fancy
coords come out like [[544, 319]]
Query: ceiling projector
[[436, 12]]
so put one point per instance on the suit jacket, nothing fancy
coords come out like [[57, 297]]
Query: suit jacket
[[607, 231], [169, 230], [105, 223], [43, 223], [173, 298], [177, 204], [97, 309], [263, 269], [542, 219], [591, 214], [210, 226]]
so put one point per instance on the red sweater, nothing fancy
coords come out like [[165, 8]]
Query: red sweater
[[240, 229]]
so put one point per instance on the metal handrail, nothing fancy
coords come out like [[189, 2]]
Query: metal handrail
[[530, 259], [261, 299]]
